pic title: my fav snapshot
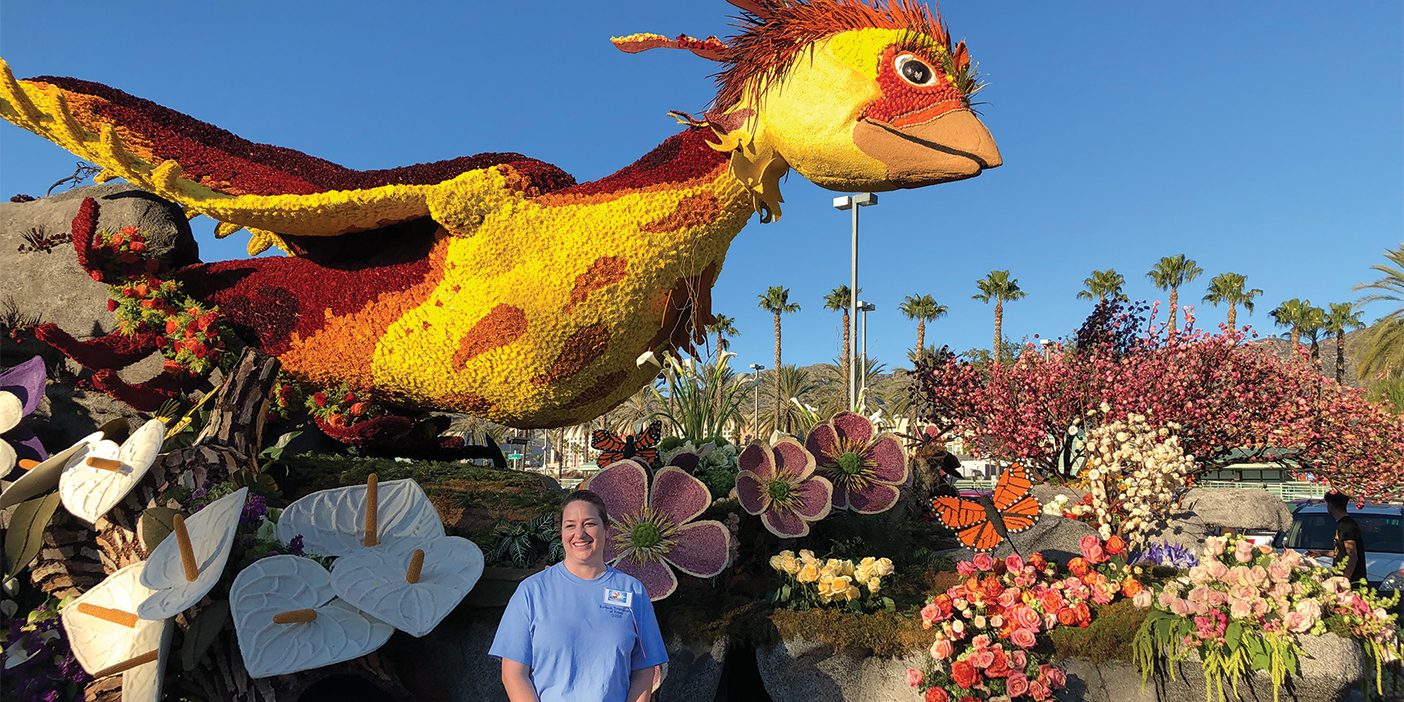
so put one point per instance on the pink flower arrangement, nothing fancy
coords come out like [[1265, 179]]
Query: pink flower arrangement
[[987, 628]]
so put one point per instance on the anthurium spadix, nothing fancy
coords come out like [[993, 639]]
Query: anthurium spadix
[[348, 520], [93, 483], [108, 637], [187, 564], [288, 618], [410, 586]]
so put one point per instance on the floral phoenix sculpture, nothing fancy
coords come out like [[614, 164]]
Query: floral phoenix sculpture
[[401, 271], [652, 528]]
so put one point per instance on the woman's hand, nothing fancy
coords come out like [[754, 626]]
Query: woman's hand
[[516, 678]]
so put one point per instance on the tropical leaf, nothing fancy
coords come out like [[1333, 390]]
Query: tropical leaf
[[25, 535], [155, 524], [202, 633]]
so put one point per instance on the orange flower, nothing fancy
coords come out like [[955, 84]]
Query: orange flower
[[1130, 587], [1078, 566], [1115, 545]]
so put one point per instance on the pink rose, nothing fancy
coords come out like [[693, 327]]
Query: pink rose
[[1023, 638], [964, 569], [1279, 572], [1057, 678], [1092, 549], [1143, 599], [1217, 570], [1243, 551], [1014, 563], [929, 615], [981, 658], [981, 641], [1025, 617], [936, 694], [914, 677], [1296, 623], [983, 562], [1007, 598], [1018, 660], [942, 649], [1039, 691], [1016, 684]]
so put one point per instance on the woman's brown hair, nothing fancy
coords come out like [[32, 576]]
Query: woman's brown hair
[[592, 498]]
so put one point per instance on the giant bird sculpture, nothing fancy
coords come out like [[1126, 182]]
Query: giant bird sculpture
[[495, 284]]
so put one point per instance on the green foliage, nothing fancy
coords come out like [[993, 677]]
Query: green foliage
[[525, 544], [203, 631], [702, 398], [25, 535], [154, 525], [1389, 393], [1159, 644]]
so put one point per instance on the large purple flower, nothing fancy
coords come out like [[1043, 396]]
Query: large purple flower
[[867, 469], [652, 529], [21, 388], [778, 483]]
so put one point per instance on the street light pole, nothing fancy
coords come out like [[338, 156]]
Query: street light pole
[[756, 368], [865, 308], [853, 202]]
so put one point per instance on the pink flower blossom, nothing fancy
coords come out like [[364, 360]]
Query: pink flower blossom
[[867, 469], [965, 569], [983, 562], [1014, 563], [1023, 638], [1092, 549], [1017, 684], [1143, 599], [1243, 551], [779, 483], [942, 649], [914, 677]]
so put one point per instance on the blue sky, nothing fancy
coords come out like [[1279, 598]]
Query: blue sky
[[1263, 139]]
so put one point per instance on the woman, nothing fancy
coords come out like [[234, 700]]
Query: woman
[[579, 630]]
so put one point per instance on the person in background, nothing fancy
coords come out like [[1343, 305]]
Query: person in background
[[580, 630], [1350, 545]]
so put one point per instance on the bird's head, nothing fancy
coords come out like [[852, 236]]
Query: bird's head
[[854, 96]]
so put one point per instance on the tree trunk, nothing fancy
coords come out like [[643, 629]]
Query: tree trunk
[[998, 332], [1340, 356], [1174, 307], [847, 363], [1232, 317], [921, 339], [777, 370], [1295, 339]]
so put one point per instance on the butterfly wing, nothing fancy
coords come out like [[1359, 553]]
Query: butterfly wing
[[611, 447], [982, 537], [1014, 500], [650, 437], [968, 520]]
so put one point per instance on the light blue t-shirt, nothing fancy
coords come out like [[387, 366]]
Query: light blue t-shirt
[[581, 638]]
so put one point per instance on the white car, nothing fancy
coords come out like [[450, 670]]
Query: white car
[[1381, 526]]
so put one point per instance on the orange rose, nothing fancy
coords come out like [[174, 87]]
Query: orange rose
[[1115, 545], [1130, 587]]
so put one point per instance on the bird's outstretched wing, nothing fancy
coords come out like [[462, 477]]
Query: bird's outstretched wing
[[270, 190]]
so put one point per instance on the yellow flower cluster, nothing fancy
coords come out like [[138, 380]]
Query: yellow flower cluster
[[836, 580]]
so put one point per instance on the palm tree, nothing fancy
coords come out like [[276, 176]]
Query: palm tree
[[1342, 316], [838, 300], [723, 326], [776, 301], [998, 286], [1228, 289], [1295, 315], [1384, 343], [1170, 273], [923, 309], [1313, 323], [1102, 285]]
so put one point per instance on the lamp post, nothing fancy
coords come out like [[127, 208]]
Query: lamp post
[[853, 202], [1046, 346], [865, 308], [756, 368]]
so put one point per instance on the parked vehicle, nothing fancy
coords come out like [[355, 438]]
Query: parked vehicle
[[1382, 526]]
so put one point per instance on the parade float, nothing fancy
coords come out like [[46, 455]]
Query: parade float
[[185, 544]]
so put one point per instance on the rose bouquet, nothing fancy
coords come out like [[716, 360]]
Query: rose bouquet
[[989, 626], [1242, 608], [189, 333], [808, 582]]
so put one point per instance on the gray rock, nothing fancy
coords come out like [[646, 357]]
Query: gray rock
[[1056, 537], [694, 670], [803, 671], [51, 286], [1330, 668], [1231, 508]]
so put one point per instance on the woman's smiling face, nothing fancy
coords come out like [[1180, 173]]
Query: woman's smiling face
[[582, 533]]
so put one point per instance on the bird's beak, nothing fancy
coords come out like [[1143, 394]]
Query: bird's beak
[[951, 146]]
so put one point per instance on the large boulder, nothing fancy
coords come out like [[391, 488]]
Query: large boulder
[[797, 670], [1231, 508], [44, 283], [1331, 668]]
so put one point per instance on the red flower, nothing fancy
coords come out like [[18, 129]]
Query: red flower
[[358, 409], [111, 305], [320, 398], [349, 397], [138, 246], [937, 694], [964, 674], [1078, 566], [1067, 617], [128, 230], [999, 667], [96, 275], [116, 239], [1037, 561], [1115, 545], [172, 325]]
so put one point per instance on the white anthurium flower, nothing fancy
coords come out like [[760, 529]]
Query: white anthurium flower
[[45, 476], [410, 586], [11, 412], [93, 483], [104, 630], [334, 522], [211, 538]]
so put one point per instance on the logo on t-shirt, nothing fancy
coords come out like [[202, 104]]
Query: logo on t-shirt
[[618, 598]]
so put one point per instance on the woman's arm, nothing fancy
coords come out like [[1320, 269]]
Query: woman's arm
[[640, 684], [516, 678]]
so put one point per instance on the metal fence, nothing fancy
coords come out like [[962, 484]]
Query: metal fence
[[1287, 491]]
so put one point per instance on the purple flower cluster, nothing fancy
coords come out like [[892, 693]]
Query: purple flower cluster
[[51, 673], [295, 545], [1167, 554], [254, 509]]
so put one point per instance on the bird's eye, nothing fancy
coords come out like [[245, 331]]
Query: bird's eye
[[914, 70]]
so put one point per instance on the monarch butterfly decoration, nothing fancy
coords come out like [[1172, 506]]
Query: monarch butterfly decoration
[[982, 524], [614, 448]]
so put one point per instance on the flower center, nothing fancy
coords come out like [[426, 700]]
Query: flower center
[[850, 463], [646, 535], [779, 490]]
